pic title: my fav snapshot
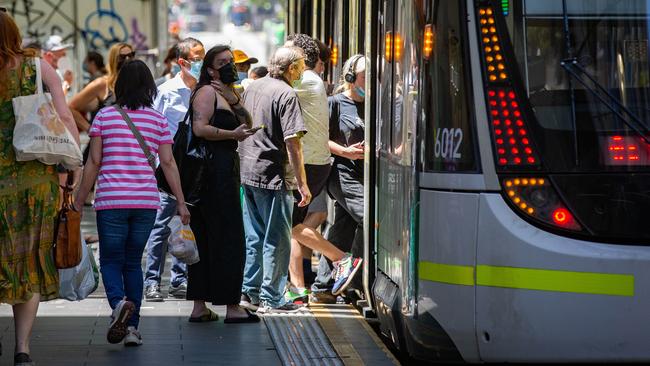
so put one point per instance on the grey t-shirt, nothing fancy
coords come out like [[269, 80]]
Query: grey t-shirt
[[264, 162]]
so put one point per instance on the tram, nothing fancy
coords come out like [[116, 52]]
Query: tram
[[508, 173]]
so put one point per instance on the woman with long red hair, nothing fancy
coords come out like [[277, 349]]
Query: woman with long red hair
[[29, 194]]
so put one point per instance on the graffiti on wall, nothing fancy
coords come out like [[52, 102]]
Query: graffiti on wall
[[98, 24]]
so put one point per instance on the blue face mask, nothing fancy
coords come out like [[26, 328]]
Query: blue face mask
[[175, 69], [242, 75], [360, 91], [195, 69]]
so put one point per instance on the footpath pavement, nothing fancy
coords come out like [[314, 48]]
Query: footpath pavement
[[74, 333]]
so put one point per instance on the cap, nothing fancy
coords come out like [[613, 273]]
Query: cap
[[241, 57], [55, 43]]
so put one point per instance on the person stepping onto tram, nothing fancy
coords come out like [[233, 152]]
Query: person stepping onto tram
[[313, 102], [345, 185]]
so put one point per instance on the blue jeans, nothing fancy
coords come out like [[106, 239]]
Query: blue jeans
[[123, 234], [157, 247], [267, 223]]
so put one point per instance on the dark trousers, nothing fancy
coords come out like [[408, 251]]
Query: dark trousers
[[346, 232]]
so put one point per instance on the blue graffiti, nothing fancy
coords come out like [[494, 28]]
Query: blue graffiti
[[104, 27]]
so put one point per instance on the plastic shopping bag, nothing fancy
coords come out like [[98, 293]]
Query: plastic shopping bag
[[77, 283], [39, 133], [182, 243]]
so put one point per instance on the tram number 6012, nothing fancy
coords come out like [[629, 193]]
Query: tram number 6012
[[448, 141]]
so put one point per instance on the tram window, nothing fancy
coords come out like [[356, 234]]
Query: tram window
[[450, 137], [385, 75], [409, 23]]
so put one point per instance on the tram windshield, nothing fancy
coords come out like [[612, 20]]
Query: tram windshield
[[586, 70]]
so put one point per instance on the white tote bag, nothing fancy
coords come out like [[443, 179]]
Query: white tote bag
[[39, 133]]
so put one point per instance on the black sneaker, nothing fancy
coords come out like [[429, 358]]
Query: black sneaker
[[153, 294], [178, 292], [22, 359], [246, 303]]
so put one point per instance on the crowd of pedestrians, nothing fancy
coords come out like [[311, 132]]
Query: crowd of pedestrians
[[274, 147]]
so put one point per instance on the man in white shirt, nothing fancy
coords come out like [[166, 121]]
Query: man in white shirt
[[173, 101], [54, 50], [313, 102]]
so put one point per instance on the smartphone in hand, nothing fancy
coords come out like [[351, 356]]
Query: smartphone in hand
[[257, 128]]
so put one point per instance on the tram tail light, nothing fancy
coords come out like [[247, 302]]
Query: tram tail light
[[536, 198], [429, 41], [510, 133]]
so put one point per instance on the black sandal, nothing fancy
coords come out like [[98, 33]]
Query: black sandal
[[22, 359], [211, 316], [251, 318]]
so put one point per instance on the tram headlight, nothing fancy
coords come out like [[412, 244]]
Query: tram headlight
[[536, 198]]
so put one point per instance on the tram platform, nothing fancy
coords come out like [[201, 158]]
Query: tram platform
[[74, 333]]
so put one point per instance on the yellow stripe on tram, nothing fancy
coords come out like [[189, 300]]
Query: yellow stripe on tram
[[529, 279], [447, 273]]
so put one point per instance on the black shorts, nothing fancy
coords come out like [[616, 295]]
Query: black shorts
[[317, 176]]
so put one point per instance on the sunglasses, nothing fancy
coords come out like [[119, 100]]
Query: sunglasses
[[3, 9], [128, 55]]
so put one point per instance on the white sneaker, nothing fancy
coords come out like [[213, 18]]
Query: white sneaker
[[133, 337], [121, 315], [283, 309]]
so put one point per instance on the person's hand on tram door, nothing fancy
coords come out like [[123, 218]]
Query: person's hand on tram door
[[184, 213], [355, 151]]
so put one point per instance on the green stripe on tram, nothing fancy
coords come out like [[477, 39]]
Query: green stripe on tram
[[447, 273], [530, 279]]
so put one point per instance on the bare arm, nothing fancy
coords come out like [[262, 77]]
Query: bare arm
[[80, 102], [294, 150], [242, 114], [90, 171], [354, 152], [168, 165], [51, 79], [203, 109], [234, 100]]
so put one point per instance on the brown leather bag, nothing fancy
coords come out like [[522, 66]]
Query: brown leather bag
[[67, 232]]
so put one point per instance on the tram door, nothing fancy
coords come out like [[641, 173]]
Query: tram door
[[397, 113]]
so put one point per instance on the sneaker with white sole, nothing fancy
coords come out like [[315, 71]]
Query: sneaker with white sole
[[282, 309], [344, 271], [121, 315], [133, 337], [246, 303]]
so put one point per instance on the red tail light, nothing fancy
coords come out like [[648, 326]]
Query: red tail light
[[536, 198], [507, 122]]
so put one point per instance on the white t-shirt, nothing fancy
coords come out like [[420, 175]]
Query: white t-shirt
[[313, 101]]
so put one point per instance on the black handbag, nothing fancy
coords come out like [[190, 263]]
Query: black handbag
[[191, 156]]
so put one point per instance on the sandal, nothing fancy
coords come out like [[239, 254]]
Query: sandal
[[251, 318], [211, 316], [23, 359]]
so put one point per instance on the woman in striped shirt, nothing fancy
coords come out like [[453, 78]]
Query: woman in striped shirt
[[127, 193]]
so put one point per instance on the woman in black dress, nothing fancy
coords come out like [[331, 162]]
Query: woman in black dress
[[220, 120]]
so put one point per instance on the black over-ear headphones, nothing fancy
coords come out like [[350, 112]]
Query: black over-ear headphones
[[351, 74]]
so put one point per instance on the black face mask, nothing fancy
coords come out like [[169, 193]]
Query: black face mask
[[228, 73]]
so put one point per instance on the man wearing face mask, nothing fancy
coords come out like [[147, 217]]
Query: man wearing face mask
[[243, 64], [172, 101]]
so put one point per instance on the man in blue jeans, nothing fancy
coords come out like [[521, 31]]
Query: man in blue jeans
[[172, 101], [271, 167]]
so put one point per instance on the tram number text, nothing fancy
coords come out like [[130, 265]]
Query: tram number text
[[448, 141]]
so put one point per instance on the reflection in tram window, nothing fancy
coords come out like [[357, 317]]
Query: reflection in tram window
[[450, 135]]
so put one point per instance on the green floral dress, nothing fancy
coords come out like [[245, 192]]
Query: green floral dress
[[29, 196]]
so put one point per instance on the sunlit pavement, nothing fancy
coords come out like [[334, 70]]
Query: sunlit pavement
[[74, 333]]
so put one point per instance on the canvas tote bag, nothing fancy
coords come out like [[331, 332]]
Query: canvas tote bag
[[39, 133]]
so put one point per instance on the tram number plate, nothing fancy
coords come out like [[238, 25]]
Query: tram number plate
[[448, 141]]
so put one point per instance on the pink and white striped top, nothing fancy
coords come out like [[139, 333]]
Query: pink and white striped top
[[126, 179]]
